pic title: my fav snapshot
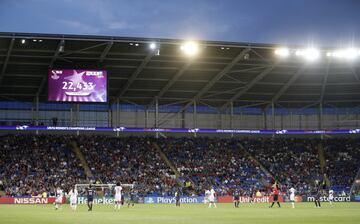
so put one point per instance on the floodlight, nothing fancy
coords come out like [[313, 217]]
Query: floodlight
[[349, 53], [23, 41], [152, 46], [190, 48], [310, 54], [282, 52]]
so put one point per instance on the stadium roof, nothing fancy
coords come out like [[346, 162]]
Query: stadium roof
[[223, 72]]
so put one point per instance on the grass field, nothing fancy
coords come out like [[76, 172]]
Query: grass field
[[194, 213]]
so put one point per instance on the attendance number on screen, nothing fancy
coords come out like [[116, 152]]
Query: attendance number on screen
[[78, 86]]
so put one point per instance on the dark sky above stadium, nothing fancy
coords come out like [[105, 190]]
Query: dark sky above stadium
[[310, 22]]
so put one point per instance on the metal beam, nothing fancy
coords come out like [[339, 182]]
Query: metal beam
[[54, 58], [134, 75], [353, 71], [84, 49], [323, 87], [57, 52], [215, 93], [106, 51], [250, 85], [216, 78], [11, 45], [288, 84], [173, 80]]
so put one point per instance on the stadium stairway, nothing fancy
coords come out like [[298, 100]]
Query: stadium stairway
[[322, 160], [174, 169], [167, 161], [257, 163], [355, 187], [81, 157]]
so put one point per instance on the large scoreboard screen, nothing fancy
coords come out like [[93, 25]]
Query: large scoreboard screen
[[77, 85]]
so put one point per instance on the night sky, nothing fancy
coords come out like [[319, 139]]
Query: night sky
[[333, 23]]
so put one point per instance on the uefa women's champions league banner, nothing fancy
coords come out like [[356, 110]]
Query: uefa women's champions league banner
[[177, 130]]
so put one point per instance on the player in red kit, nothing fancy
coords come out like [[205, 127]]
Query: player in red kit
[[275, 193]]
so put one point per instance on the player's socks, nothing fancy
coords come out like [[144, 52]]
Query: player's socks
[[278, 204], [293, 204], [272, 205]]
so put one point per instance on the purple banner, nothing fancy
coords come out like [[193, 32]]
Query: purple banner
[[77, 86], [180, 130]]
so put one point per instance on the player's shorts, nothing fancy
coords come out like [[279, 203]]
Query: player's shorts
[[58, 200], [73, 201], [236, 198], [118, 198], [276, 197], [90, 198], [331, 198], [211, 199], [292, 197]]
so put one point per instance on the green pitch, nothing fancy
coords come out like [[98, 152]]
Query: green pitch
[[187, 214]]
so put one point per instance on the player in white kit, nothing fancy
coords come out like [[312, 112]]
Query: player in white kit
[[206, 198], [59, 198], [292, 196], [73, 194], [331, 196], [212, 198], [118, 190]]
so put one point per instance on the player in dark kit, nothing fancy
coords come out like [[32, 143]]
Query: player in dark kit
[[317, 194], [177, 198], [90, 192], [236, 198], [131, 198], [275, 194]]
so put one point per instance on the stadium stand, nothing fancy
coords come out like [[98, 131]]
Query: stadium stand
[[343, 159], [294, 162], [131, 160], [214, 162], [32, 164]]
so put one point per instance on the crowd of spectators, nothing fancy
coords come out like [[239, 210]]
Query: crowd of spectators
[[128, 160], [342, 160], [215, 162], [292, 162], [32, 164]]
